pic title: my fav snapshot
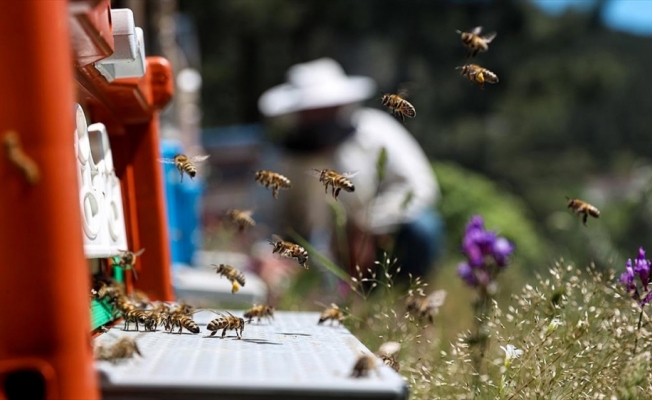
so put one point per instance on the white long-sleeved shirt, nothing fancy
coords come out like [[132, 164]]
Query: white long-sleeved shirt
[[407, 169]]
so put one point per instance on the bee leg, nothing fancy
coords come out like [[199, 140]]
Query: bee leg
[[212, 333], [126, 325], [181, 172], [474, 52], [585, 218], [275, 192], [224, 333], [337, 192]]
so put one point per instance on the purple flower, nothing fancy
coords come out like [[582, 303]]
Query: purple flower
[[465, 271], [642, 267], [627, 277], [484, 251], [502, 249]]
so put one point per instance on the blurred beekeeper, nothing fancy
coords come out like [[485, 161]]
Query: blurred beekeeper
[[323, 126]]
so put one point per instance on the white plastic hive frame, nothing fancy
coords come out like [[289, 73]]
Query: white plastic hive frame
[[99, 191], [128, 58]]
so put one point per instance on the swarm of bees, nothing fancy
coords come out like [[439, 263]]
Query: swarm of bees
[[584, 208], [259, 311], [289, 250], [185, 164], [231, 273]]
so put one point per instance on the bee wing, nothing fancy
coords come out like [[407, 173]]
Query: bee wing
[[313, 172], [333, 305], [350, 174], [139, 252], [436, 298], [389, 348], [197, 159], [166, 160], [489, 37], [276, 238], [405, 89], [476, 30]]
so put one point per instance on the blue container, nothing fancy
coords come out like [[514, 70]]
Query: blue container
[[183, 203]]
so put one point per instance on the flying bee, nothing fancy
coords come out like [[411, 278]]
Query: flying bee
[[259, 311], [398, 105], [332, 313], [474, 42], [273, 179], [184, 163], [335, 180], [123, 349], [17, 156], [387, 352], [426, 307], [128, 260], [289, 250], [363, 365], [226, 322], [242, 218], [234, 275], [478, 74], [582, 207]]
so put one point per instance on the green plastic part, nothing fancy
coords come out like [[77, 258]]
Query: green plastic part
[[101, 311]]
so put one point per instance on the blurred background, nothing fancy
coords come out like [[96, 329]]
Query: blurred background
[[570, 116]]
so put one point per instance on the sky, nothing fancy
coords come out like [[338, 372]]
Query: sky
[[632, 16]]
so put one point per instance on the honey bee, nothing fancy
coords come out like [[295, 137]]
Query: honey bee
[[363, 365], [427, 306], [180, 320], [183, 308], [259, 311], [242, 218], [289, 250], [582, 207], [124, 348], [22, 161], [478, 74], [226, 322], [154, 319], [128, 260], [124, 304], [335, 180], [387, 352], [398, 105], [139, 298], [273, 179], [474, 42], [184, 163], [332, 313], [136, 316], [234, 275]]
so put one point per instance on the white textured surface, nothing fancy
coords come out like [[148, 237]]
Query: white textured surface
[[99, 191], [291, 357]]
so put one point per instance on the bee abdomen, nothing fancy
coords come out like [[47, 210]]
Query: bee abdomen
[[216, 324], [190, 325], [594, 212]]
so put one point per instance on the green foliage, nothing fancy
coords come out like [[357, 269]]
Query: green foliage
[[465, 194]]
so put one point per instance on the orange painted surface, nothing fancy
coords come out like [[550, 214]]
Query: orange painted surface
[[44, 285]]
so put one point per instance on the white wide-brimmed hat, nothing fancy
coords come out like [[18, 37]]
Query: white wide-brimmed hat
[[315, 84]]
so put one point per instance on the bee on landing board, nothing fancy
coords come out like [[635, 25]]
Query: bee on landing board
[[426, 307], [177, 319], [363, 365], [184, 163], [226, 322], [335, 180], [289, 250], [582, 207], [478, 74], [387, 352], [332, 313], [136, 316], [232, 274], [241, 218], [260, 311], [128, 260], [273, 179], [474, 42], [397, 104], [123, 349]]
